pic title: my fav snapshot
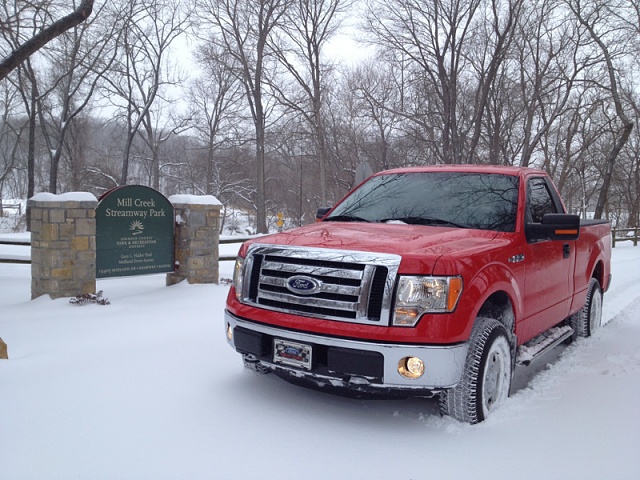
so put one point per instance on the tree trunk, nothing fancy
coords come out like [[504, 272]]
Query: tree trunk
[[608, 173], [31, 154]]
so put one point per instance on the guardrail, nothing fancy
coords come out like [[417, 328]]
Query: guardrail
[[19, 242], [23, 243], [230, 241], [12, 206], [15, 260], [617, 235], [624, 234], [26, 243]]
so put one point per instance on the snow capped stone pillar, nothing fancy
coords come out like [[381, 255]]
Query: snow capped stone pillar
[[197, 239], [63, 244]]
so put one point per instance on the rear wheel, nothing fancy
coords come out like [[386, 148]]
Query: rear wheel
[[487, 375], [589, 319]]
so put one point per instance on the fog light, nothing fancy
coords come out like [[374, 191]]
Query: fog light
[[229, 332], [411, 367]]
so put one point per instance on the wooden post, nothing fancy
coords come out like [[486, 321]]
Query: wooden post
[[3, 350]]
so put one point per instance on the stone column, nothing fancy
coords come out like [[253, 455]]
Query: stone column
[[63, 244], [197, 239]]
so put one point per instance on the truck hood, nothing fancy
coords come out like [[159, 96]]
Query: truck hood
[[413, 242]]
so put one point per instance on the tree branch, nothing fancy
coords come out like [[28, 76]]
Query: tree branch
[[35, 43]]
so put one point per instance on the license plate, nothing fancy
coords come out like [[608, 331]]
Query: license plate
[[292, 354]]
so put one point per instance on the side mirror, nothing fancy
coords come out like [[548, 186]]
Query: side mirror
[[554, 226], [321, 212]]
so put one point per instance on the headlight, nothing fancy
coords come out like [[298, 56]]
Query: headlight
[[419, 295], [238, 279]]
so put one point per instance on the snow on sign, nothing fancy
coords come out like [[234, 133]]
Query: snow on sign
[[134, 232]]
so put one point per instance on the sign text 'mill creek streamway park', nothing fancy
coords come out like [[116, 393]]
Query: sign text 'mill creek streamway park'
[[134, 232]]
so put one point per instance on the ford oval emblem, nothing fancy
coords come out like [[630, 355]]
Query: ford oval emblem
[[303, 285]]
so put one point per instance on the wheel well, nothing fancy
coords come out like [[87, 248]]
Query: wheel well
[[598, 273], [499, 306]]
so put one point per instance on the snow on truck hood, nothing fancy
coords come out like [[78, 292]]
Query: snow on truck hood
[[427, 242]]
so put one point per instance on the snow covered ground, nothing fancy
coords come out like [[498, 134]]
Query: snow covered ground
[[147, 388]]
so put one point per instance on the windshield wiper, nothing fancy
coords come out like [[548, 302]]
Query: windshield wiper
[[345, 218], [425, 221]]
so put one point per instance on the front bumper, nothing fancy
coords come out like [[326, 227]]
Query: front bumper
[[348, 363]]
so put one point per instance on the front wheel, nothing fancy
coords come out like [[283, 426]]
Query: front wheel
[[486, 379]]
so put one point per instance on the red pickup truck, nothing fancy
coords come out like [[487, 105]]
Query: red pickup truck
[[422, 281]]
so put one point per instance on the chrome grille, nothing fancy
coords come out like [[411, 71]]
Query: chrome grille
[[347, 286]]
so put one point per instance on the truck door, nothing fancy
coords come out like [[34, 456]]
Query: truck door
[[548, 266]]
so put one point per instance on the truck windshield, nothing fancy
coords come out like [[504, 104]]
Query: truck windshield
[[450, 199]]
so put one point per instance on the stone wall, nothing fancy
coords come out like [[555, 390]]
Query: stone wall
[[63, 244], [197, 239]]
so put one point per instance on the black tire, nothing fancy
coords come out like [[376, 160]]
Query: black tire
[[589, 319], [486, 379]]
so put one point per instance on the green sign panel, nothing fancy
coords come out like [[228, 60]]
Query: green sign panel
[[134, 232]]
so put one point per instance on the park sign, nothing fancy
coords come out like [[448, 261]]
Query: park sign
[[134, 232]]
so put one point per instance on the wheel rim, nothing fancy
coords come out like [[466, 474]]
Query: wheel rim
[[495, 379], [595, 310]]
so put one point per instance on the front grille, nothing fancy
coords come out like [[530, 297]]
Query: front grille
[[346, 286]]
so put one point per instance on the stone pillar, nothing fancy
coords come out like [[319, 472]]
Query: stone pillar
[[63, 244], [197, 239]]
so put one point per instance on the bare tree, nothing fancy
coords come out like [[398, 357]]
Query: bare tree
[[378, 92], [309, 26], [630, 177], [79, 60], [158, 127], [547, 61], [243, 29], [591, 17], [431, 36], [12, 130], [142, 74], [348, 134], [23, 23], [215, 102], [489, 51], [454, 50]]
